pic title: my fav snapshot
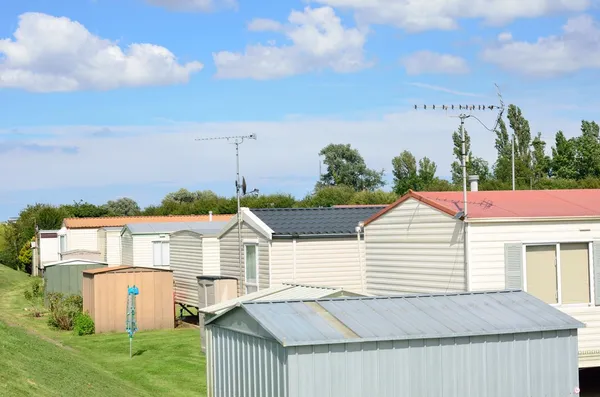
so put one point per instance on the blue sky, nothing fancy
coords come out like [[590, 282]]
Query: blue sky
[[102, 98]]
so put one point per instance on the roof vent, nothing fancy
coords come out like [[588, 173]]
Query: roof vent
[[474, 181]]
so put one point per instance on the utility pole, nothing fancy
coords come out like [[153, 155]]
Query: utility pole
[[237, 141]]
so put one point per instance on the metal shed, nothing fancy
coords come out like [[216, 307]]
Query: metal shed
[[105, 297], [493, 344], [283, 291], [66, 276], [193, 253]]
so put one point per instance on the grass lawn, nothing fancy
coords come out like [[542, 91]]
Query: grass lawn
[[42, 361]]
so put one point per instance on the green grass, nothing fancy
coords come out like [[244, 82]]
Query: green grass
[[43, 361]]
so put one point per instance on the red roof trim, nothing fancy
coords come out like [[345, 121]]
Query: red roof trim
[[407, 196]]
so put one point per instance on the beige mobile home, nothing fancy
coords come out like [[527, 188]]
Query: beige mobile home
[[316, 246], [109, 245], [544, 242]]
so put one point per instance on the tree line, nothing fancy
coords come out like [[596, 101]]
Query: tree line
[[570, 163]]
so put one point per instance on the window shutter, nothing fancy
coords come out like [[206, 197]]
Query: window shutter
[[596, 259], [513, 264]]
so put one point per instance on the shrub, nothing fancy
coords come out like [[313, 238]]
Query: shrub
[[83, 325], [64, 310], [34, 294]]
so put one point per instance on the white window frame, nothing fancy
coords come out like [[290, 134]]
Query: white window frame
[[62, 237], [246, 283], [557, 244], [162, 244]]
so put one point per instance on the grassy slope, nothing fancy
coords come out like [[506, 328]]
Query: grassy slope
[[167, 362]]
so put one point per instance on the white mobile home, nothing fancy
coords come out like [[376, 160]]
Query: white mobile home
[[49, 247], [109, 245], [316, 246], [544, 242], [148, 244], [83, 233], [192, 253]]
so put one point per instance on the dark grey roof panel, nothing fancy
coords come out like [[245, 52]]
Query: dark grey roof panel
[[315, 221]]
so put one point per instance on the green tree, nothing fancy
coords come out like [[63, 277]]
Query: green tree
[[540, 160], [503, 165], [475, 165], [180, 196], [410, 175], [25, 257], [522, 135], [371, 198], [123, 206], [345, 166], [83, 209], [562, 163], [587, 151], [328, 196]]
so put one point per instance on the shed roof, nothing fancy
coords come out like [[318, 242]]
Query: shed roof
[[509, 203], [93, 223], [314, 221], [277, 292], [123, 267], [171, 227], [74, 262], [346, 320]]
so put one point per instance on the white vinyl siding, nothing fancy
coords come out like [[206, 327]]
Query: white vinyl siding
[[160, 253], [113, 247], [210, 256], [414, 248], [49, 249], [282, 262], [229, 254], [101, 236], [82, 239], [488, 242], [186, 262], [127, 248]]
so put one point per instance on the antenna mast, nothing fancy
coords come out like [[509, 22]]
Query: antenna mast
[[237, 141]]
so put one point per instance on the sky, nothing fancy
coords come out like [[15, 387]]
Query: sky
[[101, 99]]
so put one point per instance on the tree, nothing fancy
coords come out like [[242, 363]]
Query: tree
[[328, 196], [562, 163], [475, 165], [180, 196], [540, 160], [522, 136], [587, 151], [503, 165], [345, 166], [408, 175], [122, 207], [25, 257], [83, 209]]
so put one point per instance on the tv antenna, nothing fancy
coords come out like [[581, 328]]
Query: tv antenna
[[240, 187], [466, 112]]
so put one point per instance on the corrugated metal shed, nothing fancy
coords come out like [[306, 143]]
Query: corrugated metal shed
[[314, 221], [171, 227], [279, 292], [493, 344], [326, 321], [66, 276]]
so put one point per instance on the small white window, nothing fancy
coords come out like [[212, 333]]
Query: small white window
[[251, 261], [62, 243], [160, 253]]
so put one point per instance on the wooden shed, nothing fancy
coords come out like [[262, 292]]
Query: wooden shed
[[105, 297], [66, 276]]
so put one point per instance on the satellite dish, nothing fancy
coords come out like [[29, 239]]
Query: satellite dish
[[243, 186]]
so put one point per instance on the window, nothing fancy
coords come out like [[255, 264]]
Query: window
[[558, 273], [160, 253], [251, 267], [62, 243]]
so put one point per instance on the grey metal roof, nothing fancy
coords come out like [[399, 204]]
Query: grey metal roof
[[346, 320], [314, 221], [112, 228], [170, 227], [277, 292]]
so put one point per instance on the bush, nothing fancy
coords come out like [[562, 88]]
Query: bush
[[64, 310], [83, 325], [35, 296]]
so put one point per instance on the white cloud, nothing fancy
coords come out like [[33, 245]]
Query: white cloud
[[264, 25], [427, 62], [194, 5], [577, 48], [50, 54], [318, 41], [447, 90], [285, 152], [505, 36], [418, 15]]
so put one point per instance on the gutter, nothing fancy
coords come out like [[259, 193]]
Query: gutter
[[535, 219], [312, 236]]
